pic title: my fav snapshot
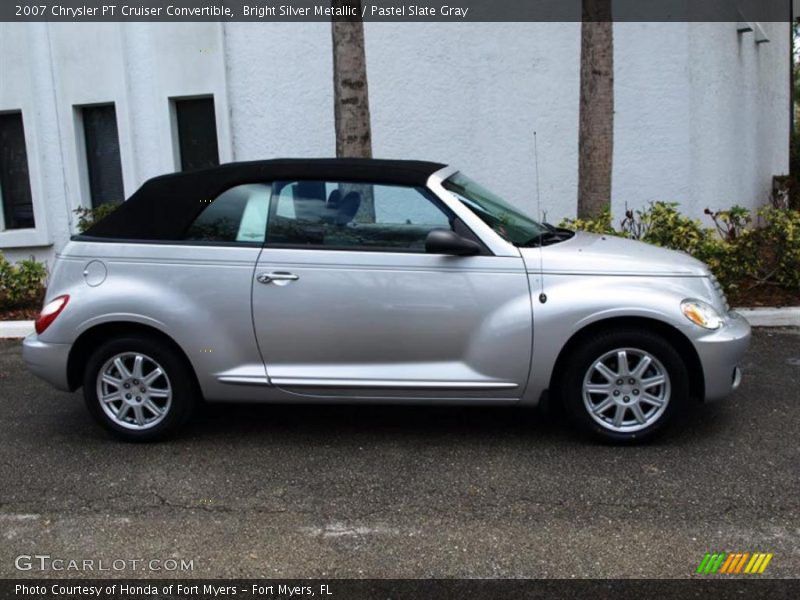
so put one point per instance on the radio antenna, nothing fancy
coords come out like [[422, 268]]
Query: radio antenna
[[536, 166], [542, 296]]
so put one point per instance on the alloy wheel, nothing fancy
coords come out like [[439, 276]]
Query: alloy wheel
[[626, 390], [134, 391]]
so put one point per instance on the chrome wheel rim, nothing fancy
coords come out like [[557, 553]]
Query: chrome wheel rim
[[134, 391], [626, 390]]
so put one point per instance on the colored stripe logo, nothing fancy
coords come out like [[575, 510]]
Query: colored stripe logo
[[734, 563]]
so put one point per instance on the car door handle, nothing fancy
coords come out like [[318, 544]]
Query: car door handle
[[277, 276]]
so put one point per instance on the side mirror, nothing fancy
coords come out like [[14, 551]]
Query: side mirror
[[444, 241]]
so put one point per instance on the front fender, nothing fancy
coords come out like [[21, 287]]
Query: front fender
[[575, 302]]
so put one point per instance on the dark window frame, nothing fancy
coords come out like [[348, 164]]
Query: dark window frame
[[180, 139], [93, 170], [11, 221]]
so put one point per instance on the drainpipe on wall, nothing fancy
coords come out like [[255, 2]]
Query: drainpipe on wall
[[790, 175], [791, 81]]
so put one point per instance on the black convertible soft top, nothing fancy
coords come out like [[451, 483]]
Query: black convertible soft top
[[165, 206]]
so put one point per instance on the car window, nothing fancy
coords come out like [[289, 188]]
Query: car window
[[237, 215], [354, 215], [508, 222]]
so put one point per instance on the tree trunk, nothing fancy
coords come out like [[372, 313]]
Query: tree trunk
[[351, 97], [596, 132], [350, 92]]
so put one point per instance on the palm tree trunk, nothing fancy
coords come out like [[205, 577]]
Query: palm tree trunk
[[596, 131], [350, 91], [351, 101]]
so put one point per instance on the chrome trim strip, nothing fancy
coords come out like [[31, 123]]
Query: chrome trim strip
[[737, 378], [392, 384], [500, 269], [243, 380], [618, 273]]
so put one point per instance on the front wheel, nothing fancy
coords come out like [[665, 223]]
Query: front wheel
[[138, 388], [625, 386]]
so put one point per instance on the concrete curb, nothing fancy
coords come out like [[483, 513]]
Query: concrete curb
[[757, 317], [15, 329], [788, 316]]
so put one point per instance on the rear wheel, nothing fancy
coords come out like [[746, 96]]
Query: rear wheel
[[625, 386], [138, 388]]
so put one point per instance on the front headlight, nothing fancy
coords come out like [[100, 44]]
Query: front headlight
[[701, 313]]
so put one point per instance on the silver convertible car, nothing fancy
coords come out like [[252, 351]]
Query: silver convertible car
[[373, 281]]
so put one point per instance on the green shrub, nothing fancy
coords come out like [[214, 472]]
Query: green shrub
[[661, 224], [21, 285], [731, 223], [780, 239], [732, 249], [89, 216], [601, 224]]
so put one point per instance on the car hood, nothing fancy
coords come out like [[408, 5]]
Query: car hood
[[592, 254]]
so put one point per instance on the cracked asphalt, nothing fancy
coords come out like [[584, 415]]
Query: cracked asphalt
[[309, 491]]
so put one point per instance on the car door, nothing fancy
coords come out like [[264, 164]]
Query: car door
[[347, 302]]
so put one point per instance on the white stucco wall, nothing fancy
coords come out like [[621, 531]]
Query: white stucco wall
[[472, 95], [702, 113], [164, 61], [740, 118], [280, 88]]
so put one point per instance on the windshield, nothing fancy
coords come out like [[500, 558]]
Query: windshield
[[507, 221]]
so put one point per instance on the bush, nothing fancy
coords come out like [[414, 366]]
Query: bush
[[21, 285], [733, 250], [661, 224], [780, 240], [601, 224], [89, 216]]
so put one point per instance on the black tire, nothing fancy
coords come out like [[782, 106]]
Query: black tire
[[589, 351], [179, 378]]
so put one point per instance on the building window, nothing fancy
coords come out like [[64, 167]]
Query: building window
[[196, 127], [197, 133], [15, 184], [103, 165]]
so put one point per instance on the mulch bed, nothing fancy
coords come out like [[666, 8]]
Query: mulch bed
[[28, 311], [19, 314], [749, 294]]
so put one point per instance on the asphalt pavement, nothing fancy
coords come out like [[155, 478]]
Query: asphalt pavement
[[310, 491]]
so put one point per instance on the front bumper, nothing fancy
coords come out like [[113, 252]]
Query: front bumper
[[720, 353], [47, 361]]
